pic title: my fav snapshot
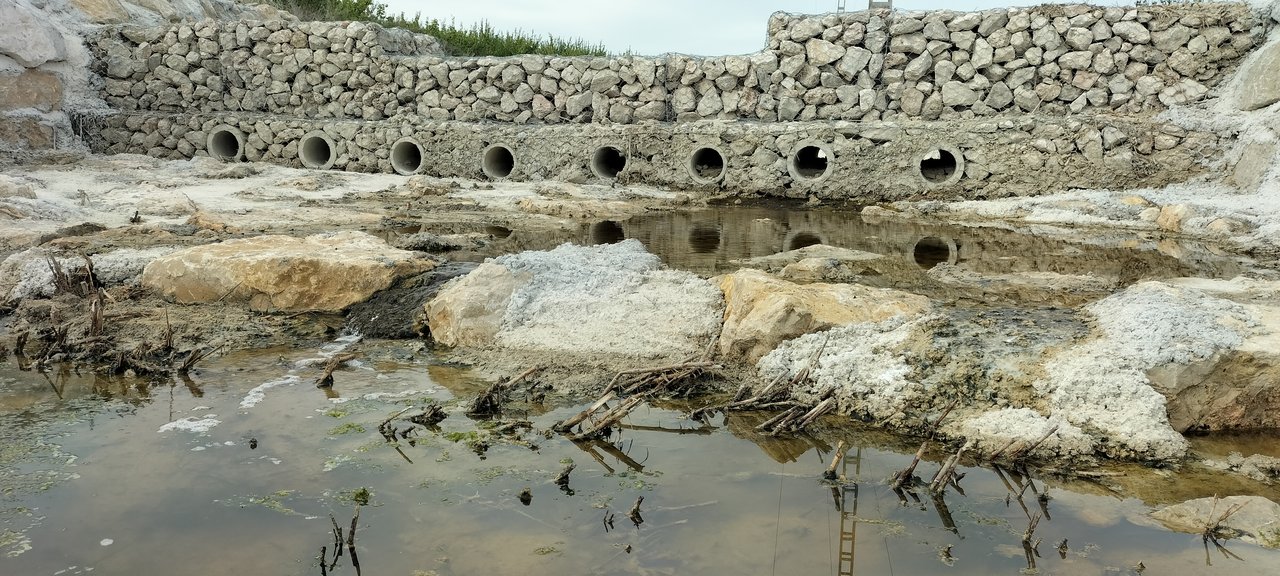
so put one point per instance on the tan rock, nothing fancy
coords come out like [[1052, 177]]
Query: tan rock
[[326, 272], [206, 221], [583, 208], [11, 187], [25, 134], [1255, 161], [1173, 216], [102, 11], [31, 89], [1137, 201], [1257, 519], [469, 311], [762, 311], [1226, 227]]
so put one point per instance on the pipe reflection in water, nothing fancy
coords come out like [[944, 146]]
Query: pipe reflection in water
[[931, 251], [704, 238], [721, 239], [607, 232], [803, 239]]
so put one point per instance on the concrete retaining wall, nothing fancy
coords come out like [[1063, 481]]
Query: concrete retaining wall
[[867, 161], [870, 106]]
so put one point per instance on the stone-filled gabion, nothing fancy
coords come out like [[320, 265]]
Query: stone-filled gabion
[[872, 65]]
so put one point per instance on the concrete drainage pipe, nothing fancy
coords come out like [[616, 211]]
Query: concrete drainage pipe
[[498, 161], [406, 156], [225, 143], [707, 165], [811, 162], [941, 166], [608, 162], [316, 150]]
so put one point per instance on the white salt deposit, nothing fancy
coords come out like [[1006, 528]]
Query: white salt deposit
[[1102, 386], [192, 424]]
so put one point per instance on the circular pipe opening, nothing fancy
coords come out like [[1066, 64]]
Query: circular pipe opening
[[810, 162], [406, 156], [706, 165], [498, 161], [931, 251], [607, 232], [941, 166], [225, 143], [801, 239], [704, 238], [316, 150], [608, 162]]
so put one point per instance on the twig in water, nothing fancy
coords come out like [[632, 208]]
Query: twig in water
[[1017, 454], [490, 402], [326, 379], [944, 474], [903, 477], [562, 479], [194, 358], [1213, 526], [830, 474], [351, 541], [634, 513]]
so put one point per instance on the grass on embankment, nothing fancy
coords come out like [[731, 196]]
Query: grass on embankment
[[481, 39]]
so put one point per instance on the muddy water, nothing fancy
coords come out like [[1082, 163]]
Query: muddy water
[[98, 480]]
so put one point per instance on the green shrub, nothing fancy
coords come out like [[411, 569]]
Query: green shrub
[[480, 39]]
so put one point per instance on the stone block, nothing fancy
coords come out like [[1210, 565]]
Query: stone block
[[31, 89], [1261, 74], [25, 134]]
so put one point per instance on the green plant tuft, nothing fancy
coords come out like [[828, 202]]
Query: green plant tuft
[[480, 39]]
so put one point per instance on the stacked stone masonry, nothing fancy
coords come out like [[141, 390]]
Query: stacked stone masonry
[[874, 65], [1017, 101]]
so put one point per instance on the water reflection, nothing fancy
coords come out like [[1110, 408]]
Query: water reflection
[[607, 232], [707, 486], [684, 240]]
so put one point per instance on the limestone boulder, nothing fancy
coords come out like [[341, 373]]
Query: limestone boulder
[[27, 37], [1256, 519], [762, 311], [1237, 388], [1261, 74], [469, 311], [325, 272], [11, 187], [613, 299]]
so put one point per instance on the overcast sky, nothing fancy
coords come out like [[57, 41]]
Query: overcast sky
[[650, 27]]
